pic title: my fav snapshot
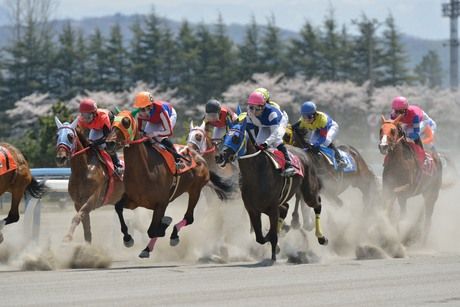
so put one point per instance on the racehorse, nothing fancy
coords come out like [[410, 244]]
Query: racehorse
[[199, 140], [149, 182], [15, 177], [407, 172], [92, 183], [264, 189]]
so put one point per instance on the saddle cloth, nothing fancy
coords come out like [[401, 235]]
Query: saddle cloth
[[329, 154], [170, 161], [7, 163], [104, 157], [425, 160], [277, 157]]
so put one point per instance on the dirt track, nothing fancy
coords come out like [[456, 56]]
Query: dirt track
[[218, 261]]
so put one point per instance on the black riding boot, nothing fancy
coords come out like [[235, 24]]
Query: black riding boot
[[340, 163], [170, 146], [419, 143], [289, 169], [118, 167]]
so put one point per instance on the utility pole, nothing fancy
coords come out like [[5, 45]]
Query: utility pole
[[452, 10]]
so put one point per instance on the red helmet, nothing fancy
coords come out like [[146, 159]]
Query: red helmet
[[256, 99], [88, 105], [399, 103]]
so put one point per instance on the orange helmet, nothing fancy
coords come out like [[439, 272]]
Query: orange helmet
[[143, 99]]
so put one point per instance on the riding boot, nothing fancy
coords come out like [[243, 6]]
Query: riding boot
[[338, 157], [419, 143], [118, 167], [170, 146], [289, 170]]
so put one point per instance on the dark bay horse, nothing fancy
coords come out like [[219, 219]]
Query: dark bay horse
[[150, 184], [337, 181], [89, 178], [404, 175], [15, 177], [264, 190]]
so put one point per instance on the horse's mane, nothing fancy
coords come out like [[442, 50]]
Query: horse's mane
[[82, 137]]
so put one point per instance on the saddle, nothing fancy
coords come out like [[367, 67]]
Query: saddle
[[105, 159], [329, 156], [279, 162], [7, 163], [188, 163], [425, 160]]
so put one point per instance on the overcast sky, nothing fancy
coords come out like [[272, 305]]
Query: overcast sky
[[420, 18]]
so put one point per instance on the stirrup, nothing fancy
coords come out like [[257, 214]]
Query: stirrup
[[289, 171]]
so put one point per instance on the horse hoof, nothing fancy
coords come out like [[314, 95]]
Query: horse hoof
[[144, 254], [323, 241], [174, 242], [278, 249], [129, 242]]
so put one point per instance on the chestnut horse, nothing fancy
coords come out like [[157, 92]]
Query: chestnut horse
[[404, 175], [264, 189], [89, 179], [15, 177], [150, 184]]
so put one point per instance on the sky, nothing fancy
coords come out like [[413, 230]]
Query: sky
[[421, 18]]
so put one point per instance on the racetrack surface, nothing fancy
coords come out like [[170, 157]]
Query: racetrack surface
[[218, 261]]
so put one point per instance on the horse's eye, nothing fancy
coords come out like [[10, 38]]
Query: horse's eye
[[126, 122], [70, 137], [235, 139]]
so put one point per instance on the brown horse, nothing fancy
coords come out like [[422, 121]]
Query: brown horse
[[15, 177], [404, 175], [265, 190], [89, 178], [150, 184]]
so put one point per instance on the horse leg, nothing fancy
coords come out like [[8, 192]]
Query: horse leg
[[307, 217], [295, 222], [188, 219], [314, 200], [84, 210], [282, 211], [403, 206], [128, 241], [13, 215], [157, 228], [430, 200], [75, 221], [86, 222], [256, 224], [272, 234]]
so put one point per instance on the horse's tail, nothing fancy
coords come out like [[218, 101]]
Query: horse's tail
[[222, 187], [36, 189]]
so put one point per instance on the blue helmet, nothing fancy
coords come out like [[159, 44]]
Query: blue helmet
[[308, 108]]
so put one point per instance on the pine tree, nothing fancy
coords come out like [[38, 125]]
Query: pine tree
[[429, 70], [97, 61], [188, 63], [249, 52], [137, 54], [168, 60], [345, 65], [116, 60], [151, 48], [82, 78], [205, 80], [48, 58], [304, 54], [67, 62], [393, 57], [272, 49], [330, 49]]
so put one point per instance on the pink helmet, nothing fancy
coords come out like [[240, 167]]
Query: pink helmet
[[256, 99], [87, 105], [399, 103]]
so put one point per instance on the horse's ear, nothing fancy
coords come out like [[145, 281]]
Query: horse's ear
[[382, 118], [74, 124], [191, 125], [203, 125], [238, 109], [58, 122]]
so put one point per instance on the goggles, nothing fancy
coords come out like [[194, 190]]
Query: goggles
[[256, 108]]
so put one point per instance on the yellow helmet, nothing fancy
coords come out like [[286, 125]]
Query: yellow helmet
[[143, 99]]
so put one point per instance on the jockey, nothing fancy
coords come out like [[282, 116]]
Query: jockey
[[321, 127], [219, 117], [98, 121], [156, 119], [412, 116], [271, 125]]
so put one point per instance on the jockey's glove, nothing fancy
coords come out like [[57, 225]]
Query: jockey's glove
[[262, 146], [314, 148]]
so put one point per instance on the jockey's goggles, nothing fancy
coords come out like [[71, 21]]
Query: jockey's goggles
[[212, 116], [308, 116], [256, 108], [402, 111], [87, 117], [146, 109]]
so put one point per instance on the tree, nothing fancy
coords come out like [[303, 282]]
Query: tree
[[304, 54], [330, 49], [272, 49], [151, 48], [168, 60], [188, 62], [345, 65], [137, 53], [249, 52], [67, 62], [97, 61], [205, 80], [116, 60], [393, 57], [429, 70]]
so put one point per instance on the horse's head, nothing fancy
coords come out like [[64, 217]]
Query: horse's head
[[197, 138], [234, 143], [66, 141], [390, 134], [124, 130]]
